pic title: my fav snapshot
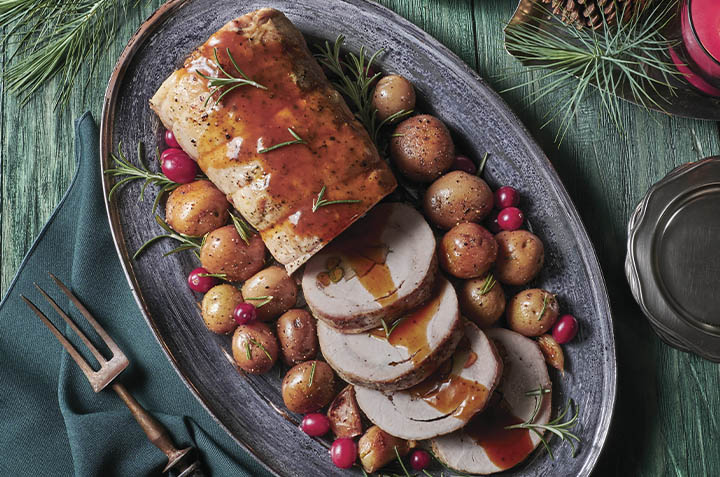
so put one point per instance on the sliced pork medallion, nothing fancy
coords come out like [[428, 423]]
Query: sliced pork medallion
[[460, 388], [403, 355], [485, 446], [381, 268]]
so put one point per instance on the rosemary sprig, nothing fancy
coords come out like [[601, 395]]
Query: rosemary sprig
[[628, 56], [322, 202], [248, 352], [402, 464], [544, 307], [243, 228], [312, 374], [57, 39], [297, 140], [488, 284], [264, 300], [389, 329], [555, 426], [353, 78], [123, 168], [217, 83], [259, 345], [187, 242]]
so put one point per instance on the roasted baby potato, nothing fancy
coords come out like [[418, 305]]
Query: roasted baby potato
[[254, 347], [218, 306], [271, 282], [297, 333], [467, 250], [196, 208], [393, 94], [482, 300], [457, 197], [532, 312], [344, 414], [520, 257], [308, 386], [376, 448], [225, 252], [422, 148]]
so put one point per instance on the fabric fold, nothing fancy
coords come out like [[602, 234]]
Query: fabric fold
[[53, 423]]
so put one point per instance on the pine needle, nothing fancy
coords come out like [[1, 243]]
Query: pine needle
[[52, 39], [631, 55]]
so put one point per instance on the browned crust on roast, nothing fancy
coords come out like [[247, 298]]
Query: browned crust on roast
[[416, 375], [368, 321]]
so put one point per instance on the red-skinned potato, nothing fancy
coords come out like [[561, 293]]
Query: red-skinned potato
[[457, 197], [520, 257], [393, 93], [254, 347], [271, 282], [467, 251], [297, 334], [196, 208], [308, 386], [224, 251], [421, 147], [532, 312]]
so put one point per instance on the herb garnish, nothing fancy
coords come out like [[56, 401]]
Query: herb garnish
[[321, 202], [488, 284], [187, 242], [259, 345], [481, 166], [124, 168], [217, 83], [297, 140], [243, 228], [265, 299], [560, 429], [402, 464], [312, 374], [356, 85], [544, 307], [221, 276], [389, 330], [248, 353]]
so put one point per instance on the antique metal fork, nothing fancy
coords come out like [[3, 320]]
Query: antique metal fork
[[182, 462]]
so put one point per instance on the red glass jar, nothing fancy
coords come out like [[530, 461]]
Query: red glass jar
[[698, 57]]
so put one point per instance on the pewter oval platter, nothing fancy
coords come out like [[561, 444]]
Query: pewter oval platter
[[250, 408]]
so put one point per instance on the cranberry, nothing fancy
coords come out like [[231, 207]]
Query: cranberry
[[170, 151], [179, 168], [170, 139], [419, 459], [510, 218], [506, 196], [199, 283], [343, 452], [315, 424], [492, 223], [245, 313], [565, 329], [465, 164]]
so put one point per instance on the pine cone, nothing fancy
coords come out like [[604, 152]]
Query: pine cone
[[589, 13]]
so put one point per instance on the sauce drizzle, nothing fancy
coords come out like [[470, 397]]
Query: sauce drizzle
[[505, 447]]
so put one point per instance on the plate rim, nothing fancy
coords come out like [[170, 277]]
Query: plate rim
[[590, 260]]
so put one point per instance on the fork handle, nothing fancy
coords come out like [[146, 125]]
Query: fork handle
[[156, 432]]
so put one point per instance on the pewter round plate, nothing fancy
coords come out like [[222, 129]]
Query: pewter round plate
[[250, 408], [673, 261]]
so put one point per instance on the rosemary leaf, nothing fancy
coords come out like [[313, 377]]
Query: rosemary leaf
[[297, 140], [322, 202], [481, 166], [312, 374], [265, 299], [259, 345], [544, 307], [221, 276], [243, 228], [402, 464], [217, 83], [488, 284], [187, 242], [248, 353]]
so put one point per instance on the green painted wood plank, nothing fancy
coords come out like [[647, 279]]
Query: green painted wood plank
[[666, 399]]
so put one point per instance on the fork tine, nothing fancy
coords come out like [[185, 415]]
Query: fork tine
[[63, 341], [109, 342], [101, 359]]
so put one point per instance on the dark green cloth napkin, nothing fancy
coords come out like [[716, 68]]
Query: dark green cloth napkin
[[51, 421]]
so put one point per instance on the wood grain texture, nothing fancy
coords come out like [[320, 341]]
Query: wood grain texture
[[666, 420]]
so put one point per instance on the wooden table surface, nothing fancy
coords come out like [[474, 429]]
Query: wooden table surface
[[668, 408]]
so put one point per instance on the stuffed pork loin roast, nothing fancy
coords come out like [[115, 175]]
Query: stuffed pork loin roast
[[232, 134]]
